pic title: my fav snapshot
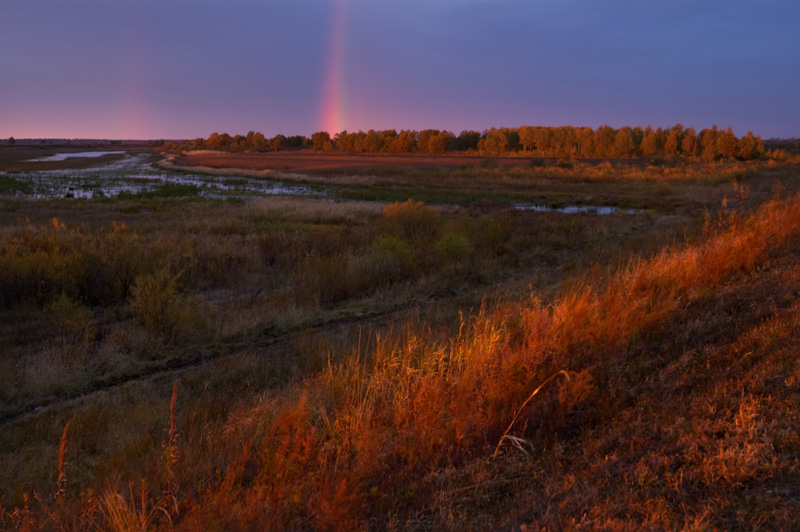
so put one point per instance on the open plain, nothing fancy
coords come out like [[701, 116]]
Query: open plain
[[403, 348]]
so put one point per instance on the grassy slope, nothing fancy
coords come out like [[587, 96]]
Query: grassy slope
[[680, 409], [695, 428]]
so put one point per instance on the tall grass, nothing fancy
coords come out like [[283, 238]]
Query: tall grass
[[350, 443], [350, 446]]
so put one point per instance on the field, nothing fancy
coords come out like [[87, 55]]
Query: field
[[406, 348]]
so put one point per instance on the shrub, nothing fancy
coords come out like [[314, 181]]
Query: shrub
[[455, 251], [388, 260], [157, 304], [71, 326], [414, 221], [321, 280]]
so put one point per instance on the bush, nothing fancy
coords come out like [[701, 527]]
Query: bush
[[71, 326], [321, 280], [455, 249], [414, 221], [158, 304], [389, 259]]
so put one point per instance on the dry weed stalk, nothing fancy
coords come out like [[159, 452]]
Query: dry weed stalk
[[21, 519], [55, 514], [62, 478], [122, 516], [171, 456], [521, 408]]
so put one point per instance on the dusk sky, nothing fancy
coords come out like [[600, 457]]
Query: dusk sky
[[183, 69]]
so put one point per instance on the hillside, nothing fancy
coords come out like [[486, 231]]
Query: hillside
[[680, 410]]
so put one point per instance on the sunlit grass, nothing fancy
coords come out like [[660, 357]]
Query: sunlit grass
[[661, 375]]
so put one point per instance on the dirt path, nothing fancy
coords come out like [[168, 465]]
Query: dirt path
[[191, 359]]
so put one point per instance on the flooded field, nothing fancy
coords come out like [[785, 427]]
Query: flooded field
[[574, 209], [133, 174], [111, 174], [83, 154]]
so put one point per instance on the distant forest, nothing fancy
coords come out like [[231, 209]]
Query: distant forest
[[560, 142]]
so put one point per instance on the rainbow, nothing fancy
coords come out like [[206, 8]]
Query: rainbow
[[333, 119]]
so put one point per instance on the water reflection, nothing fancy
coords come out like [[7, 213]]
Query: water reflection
[[134, 174], [574, 209], [65, 156]]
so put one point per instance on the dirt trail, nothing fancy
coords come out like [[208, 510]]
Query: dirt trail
[[190, 359]]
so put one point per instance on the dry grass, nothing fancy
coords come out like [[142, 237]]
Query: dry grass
[[347, 446], [678, 411], [232, 275]]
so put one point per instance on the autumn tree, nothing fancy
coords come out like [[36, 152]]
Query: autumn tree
[[564, 141], [638, 137], [359, 142], [213, 141], [442, 142], [749, 147], [239, 143], [424, 139], [321, 141], [725, 144], [298, 141], [673, 144], [217, 141], [512, 135], [199, 144], [650, 142], [623, 143], [493, 142], [404, 142], [708, 143], [527, 138], [585, 139], [689, 142], [386, 138], [468, 140], [544, 140], [257, 141], [278, 142], [604, 141], [343, 141]]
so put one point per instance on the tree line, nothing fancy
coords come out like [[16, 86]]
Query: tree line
[[252, 142], [536, 141]]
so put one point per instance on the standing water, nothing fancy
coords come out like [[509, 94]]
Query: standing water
[[133, 174]]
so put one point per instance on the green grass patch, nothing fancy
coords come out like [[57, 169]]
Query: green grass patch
[[12, 185], [427, 195]]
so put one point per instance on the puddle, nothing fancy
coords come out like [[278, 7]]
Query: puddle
[[65, 156], [134, 174], [574, 209]]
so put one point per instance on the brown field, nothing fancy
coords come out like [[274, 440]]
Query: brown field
[[311, 162], [177, 363]]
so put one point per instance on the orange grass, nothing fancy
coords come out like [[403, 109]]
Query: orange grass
[[349, 445], [350, 448]]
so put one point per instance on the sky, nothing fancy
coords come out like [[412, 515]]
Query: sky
[[177, 69]]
